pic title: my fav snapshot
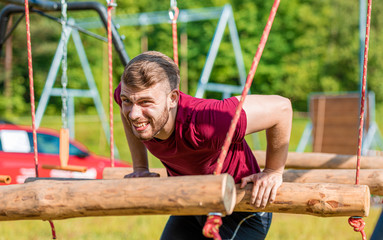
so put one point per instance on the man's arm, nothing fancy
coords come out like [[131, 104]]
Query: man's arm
[[138, 153], [273, 114]]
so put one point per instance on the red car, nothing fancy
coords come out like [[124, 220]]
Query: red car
[[17, 157]]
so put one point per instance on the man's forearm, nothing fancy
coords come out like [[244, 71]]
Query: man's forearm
[[278, 138]]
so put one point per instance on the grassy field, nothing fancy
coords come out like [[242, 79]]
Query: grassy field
[[284, 227], [89, 132]]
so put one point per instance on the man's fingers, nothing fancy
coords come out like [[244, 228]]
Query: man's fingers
[[265, 198], [141, 174], [153, 174], [273, 193], [258, 191], [245, 180], [130, 175]]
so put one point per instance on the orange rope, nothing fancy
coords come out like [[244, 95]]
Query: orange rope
[[31, 89], [32, 97], [174, 12], [110, 68], [208, 225], [249, 80], [358, 223]]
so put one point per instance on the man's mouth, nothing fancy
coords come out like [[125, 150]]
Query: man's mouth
[[140, 126]]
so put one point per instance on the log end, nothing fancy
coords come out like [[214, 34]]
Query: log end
[[5, 179], [367, 200], [228, 193]]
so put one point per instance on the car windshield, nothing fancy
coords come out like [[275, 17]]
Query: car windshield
[[20, 141], [50, 144]]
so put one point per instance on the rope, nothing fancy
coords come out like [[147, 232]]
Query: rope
[[173, 14], [249, 80], [110, 69], [211, 229], [32, 97], [31, 89], [53, 230], [358, 223]]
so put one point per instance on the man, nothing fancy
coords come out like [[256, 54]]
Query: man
[[187, 135]]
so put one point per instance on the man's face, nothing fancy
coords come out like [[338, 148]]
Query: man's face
[[146, 110]]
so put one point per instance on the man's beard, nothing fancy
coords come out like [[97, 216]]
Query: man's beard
[[156, 126]]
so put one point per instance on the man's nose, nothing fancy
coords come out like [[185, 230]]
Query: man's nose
[[135, 112]]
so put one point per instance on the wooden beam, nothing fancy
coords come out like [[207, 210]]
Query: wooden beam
[[71, 168], [324, 161], [50, 200], [372, 178], [318, 199]]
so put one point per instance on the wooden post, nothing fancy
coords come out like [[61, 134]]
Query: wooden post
[[64, 155], [318, 199], [372, 178], [324, 161], [323, 200], [49, 200]]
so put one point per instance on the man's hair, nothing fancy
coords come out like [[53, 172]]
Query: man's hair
[[150, 68]]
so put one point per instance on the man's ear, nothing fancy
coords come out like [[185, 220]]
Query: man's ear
[[174, 96]]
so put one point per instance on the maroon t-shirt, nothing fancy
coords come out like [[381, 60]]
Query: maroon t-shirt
[[200, 131]]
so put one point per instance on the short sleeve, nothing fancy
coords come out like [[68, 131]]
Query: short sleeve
[[213, 120], [117, 93]]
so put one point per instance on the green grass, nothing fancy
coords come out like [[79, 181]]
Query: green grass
[[284, 227], [89, 132]]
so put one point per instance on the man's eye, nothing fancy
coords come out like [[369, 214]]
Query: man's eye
[[126, 100]]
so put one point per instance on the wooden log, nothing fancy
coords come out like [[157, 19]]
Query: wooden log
[[318, 199], [323, 200], [324, 161], [49, 200], [372, 178], [5, 179]]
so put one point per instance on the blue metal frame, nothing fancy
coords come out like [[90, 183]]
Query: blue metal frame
[[226, 18], [92, 92]]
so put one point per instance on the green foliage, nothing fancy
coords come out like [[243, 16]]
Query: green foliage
[[313, 47]]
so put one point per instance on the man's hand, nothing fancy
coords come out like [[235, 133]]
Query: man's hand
[[266, 184], [144, 172]]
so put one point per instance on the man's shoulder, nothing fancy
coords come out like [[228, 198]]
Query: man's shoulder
[[202, 110], [195, 103]]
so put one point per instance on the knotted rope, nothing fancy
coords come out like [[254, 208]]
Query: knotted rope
[[210, 226], [356, 222]]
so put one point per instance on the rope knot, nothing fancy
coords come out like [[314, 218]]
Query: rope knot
[[211, 228], [173, 14], [111, 4], [358, 224]]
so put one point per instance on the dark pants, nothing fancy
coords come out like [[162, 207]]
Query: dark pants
[[378, 232], [239, 225]]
